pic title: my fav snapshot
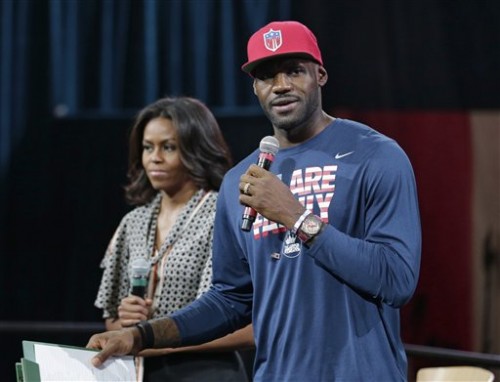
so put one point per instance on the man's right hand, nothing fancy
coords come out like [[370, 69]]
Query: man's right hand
[[115, 342]]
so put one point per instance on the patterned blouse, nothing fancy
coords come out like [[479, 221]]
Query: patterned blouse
[[188, 265]]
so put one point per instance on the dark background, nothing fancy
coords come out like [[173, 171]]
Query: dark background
[[65, 121]]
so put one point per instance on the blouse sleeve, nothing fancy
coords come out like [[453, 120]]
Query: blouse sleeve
[[206, 277], [115, 281]]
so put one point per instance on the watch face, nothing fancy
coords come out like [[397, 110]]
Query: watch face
[[311, 225]]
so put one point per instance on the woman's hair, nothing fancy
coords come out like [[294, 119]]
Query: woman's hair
[[202, 148]]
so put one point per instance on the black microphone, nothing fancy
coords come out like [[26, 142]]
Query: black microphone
[[139, 272], [268, 146]]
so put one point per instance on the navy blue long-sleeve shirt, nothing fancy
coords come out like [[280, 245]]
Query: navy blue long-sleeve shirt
[[329, 312]]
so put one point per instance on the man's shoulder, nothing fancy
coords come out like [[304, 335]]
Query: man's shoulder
[[358, 128], [239, 168]]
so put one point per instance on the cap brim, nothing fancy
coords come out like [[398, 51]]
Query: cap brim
[[250, 66]]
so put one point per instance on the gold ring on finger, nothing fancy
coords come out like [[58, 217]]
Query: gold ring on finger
[[245, 189]]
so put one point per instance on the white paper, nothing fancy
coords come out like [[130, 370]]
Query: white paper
[[58, 363]]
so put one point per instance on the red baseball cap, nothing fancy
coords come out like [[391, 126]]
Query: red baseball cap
[[281, 38]]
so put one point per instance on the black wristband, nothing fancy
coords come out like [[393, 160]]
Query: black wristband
[[147, 335]]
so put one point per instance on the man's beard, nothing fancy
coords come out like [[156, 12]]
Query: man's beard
[[283, 123], [293, 120]]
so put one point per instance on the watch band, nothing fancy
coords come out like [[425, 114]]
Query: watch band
[[299, 221]]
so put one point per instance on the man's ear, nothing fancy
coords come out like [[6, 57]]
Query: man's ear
[[322, 76], [253, 85]]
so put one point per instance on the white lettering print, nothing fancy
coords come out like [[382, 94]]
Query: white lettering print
[[313, 187], [294, 248]]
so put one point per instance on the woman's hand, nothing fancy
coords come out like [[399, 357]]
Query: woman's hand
[[133, 309]]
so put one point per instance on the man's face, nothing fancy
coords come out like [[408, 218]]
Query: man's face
[[289, 90]]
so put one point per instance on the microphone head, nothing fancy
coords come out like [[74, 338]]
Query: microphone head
[[269, 144], [140, 267]]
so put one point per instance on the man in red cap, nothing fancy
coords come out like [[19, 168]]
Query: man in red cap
[[334, 250]]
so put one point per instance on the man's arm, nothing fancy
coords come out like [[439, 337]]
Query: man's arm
[[240, 339], [387, 253], [164, 333]]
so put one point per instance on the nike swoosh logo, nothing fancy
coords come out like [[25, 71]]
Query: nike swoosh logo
[[340, 156]]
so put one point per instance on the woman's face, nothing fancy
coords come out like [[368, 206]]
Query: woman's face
[[161, 157]]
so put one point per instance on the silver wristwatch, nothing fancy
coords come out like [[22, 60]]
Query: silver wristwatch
[[310, 227]]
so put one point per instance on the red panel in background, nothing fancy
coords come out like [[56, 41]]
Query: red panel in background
[[439, 147]]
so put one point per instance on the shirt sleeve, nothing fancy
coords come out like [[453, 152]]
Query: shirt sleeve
[[384, 261]]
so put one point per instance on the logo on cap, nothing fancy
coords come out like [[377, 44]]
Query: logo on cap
[[272, 40]]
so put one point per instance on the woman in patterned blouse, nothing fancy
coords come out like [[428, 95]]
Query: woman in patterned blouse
[[177, 160]]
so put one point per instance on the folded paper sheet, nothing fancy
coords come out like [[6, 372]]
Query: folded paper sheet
[[68, 363]]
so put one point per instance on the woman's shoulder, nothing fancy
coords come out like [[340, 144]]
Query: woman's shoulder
[[212, 196], [208, 201], [141, 212]]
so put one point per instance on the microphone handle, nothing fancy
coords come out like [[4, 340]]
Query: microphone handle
[[265, 160], [139, 285]]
